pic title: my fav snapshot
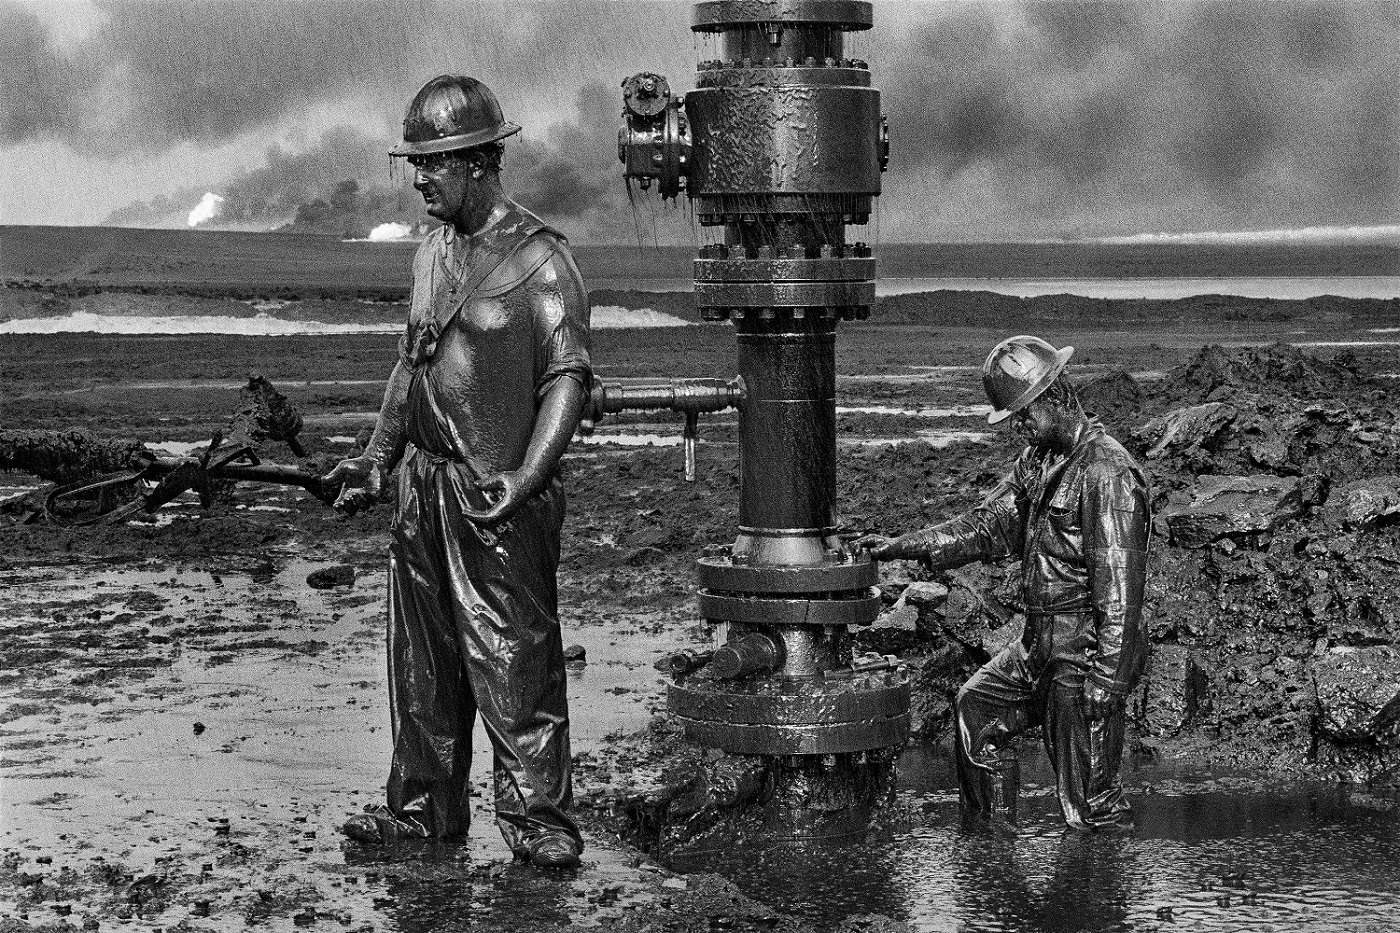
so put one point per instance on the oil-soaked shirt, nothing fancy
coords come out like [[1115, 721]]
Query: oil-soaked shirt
[[476, 385], [1080, 524]]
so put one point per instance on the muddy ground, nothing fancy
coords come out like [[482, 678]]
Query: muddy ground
[[187, 720]]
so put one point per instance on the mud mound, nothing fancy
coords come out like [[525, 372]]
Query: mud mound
[[1114, 398], [1280, 370]]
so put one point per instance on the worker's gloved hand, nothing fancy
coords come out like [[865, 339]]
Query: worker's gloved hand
[[362, 481], [1099, 703], [879, 547], [991, 749], [505, 493]]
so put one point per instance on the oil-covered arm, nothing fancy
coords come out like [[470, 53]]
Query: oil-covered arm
[[363, 478], [1116, 522], [560, 313], [991, 530]]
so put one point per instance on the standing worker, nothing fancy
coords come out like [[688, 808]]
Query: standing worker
[[1075, 511], [487, 391]]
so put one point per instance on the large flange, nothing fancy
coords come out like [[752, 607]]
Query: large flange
[[771, 76], [831, 269], [790, 717], [719, 15], [720, 573], [792, 703], [833, 739], [759, 610], [783, 294]]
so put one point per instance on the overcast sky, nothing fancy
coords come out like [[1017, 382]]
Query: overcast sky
[[1009, 120]]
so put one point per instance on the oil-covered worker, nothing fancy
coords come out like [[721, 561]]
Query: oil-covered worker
[[484, 398], [1074, 510]]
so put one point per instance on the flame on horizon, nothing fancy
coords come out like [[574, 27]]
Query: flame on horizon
[[206, 210], [390, 231]]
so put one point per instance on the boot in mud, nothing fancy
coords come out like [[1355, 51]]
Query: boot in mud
[[551, 850], [377, 826]]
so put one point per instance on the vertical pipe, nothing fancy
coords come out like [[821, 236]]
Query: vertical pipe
[[787, 438]]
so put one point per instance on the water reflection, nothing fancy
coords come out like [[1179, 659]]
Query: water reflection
[[427, 887], [1213, 852]]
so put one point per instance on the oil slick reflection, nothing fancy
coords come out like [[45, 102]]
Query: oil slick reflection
[[1212, 852]]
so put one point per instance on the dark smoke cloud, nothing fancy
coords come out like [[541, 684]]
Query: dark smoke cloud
[[1008, 118], [345, 183], [159, 72], [34, 81], [272, 194], [1061, 117]]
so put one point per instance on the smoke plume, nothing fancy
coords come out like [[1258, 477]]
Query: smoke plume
[[1008, 119], [1096, 117]]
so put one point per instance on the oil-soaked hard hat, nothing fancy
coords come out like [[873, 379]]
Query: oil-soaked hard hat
[[452, 112], [1017, 370]]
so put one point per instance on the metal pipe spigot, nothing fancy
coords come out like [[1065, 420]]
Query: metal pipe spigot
[[684, 661], [689, 396], [749, 655]]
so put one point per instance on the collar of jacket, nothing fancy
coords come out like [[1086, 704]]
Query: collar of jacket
[[1055, 470]]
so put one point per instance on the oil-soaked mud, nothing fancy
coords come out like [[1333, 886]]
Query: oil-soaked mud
[[186, 721]]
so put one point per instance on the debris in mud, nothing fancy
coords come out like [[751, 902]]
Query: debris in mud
[[265, 414], [330, 577], [63, 456]]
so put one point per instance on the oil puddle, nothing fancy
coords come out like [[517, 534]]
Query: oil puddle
[[1212, 852], [182, 742]]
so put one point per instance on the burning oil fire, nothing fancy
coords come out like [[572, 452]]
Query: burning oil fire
[[207, 209], [389, 231]]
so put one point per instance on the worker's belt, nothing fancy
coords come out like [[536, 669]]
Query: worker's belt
[[438, 459]]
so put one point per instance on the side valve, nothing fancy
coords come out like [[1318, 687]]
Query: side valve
[[654, 142]]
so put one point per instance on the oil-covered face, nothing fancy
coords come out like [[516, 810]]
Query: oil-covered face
[[1039, 424], [444, 181]]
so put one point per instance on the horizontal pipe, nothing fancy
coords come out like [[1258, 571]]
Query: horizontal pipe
[[749, 655], [683, 395]]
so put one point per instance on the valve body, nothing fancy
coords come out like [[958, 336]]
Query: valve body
[[782, 147]]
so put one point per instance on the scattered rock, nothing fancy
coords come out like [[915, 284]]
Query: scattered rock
[[1174, 691], [1233, 506], [927, 598], [900, 617], [329, 577], [1358, 712], [1358, 694], [1186, 428], [575, 654], [1364, 503]]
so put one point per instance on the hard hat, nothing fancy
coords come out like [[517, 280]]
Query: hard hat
[[452, 112], [1017, 370]]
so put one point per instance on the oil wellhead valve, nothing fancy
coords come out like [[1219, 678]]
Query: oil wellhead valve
[[780, 147]]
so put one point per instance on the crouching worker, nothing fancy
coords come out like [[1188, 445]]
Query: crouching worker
[[486, 394], [1074, 510]]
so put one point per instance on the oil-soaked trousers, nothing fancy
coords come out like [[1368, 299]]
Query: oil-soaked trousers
[[473, 628], [1039, 681]]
